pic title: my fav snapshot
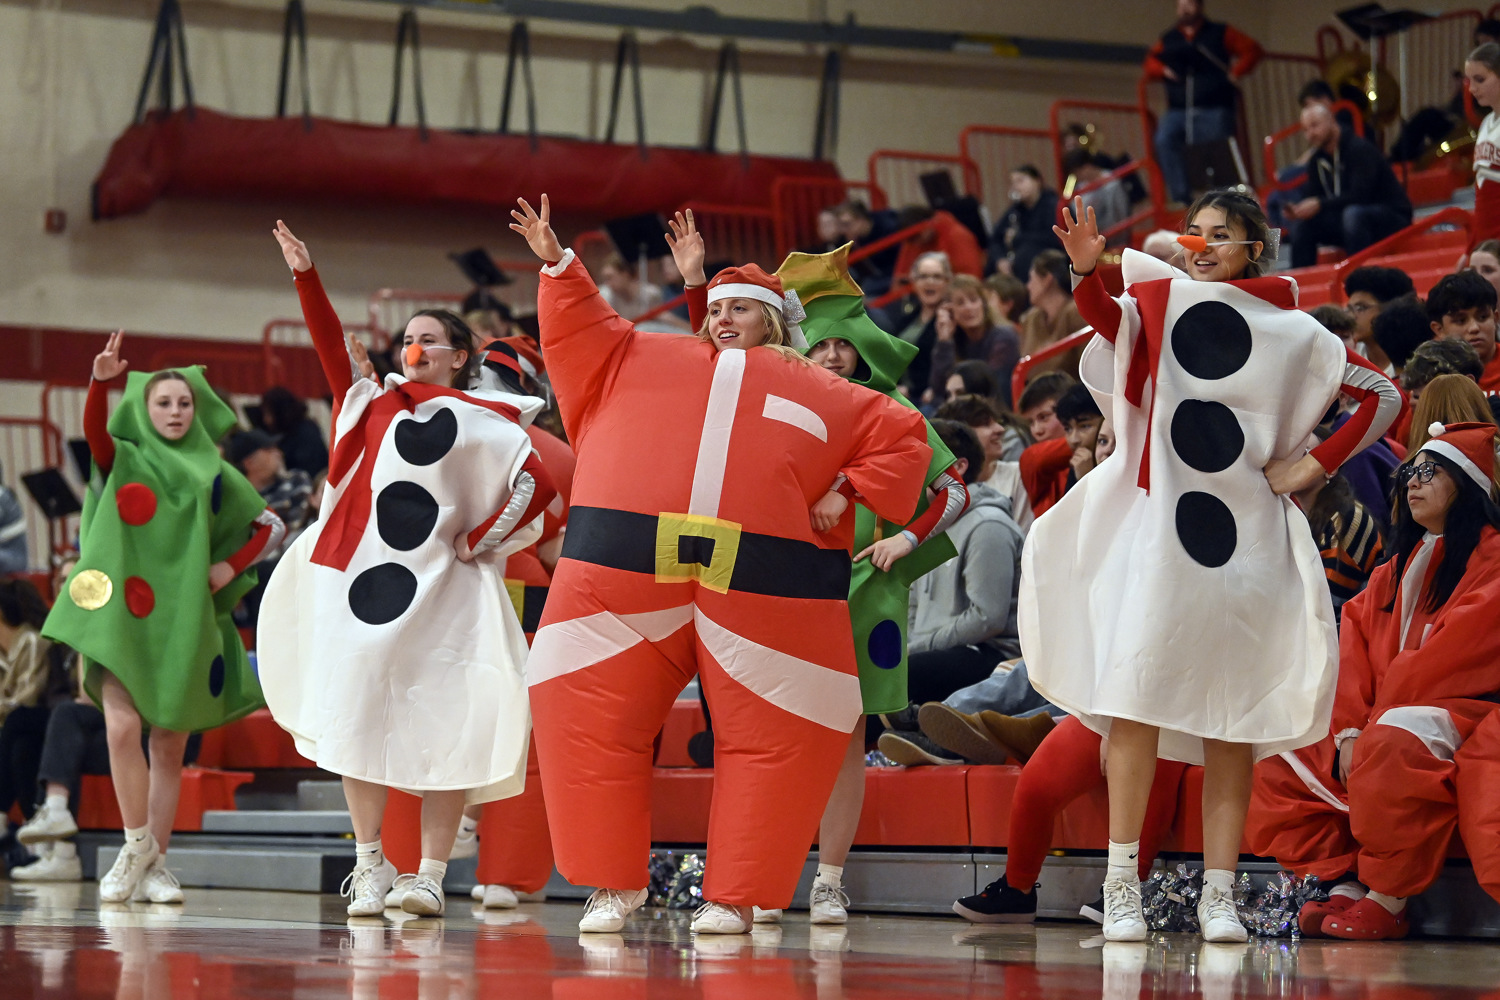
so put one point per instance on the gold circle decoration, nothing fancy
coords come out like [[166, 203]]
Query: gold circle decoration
[[91, 589]]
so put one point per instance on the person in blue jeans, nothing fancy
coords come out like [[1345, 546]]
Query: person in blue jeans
[[1200, 63]]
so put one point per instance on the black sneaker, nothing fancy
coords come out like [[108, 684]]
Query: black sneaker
[[700, 748], [913, 749], [999, 903], [904, 721], [1093, 911]]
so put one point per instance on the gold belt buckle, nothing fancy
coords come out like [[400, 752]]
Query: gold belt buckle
[[694, 547]]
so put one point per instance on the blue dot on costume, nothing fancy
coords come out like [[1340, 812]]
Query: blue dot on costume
[[217, 496], [1211, 340], [884, 645], [216, 677], [382, 593], [422, 442], [405, 514], [1205, 526], [1206, 435]]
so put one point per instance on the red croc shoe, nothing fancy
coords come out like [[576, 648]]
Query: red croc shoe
[[1310, 917], [1367, 920]]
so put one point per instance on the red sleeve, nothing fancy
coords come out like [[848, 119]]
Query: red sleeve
[[948, 506], [888, 466], [1244, 50], [697, 297], [542, 494], [270, 529], [326, 330], [1379, 404], [1097, 307], [583, 340], [1041, 465], [96, 426], [1155, 69]]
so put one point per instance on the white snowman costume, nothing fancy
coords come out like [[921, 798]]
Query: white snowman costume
[[1171, 586], [386, 657]]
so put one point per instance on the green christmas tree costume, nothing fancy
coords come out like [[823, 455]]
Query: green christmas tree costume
[[878, 600], [138, 602]]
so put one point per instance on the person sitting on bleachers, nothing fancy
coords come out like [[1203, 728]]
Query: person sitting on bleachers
[[1484, 261], [947, 236], [861, 226], [13, 555], [970, 378], [1025, 229], [283, 415], [1110, 201], [1001, 444], [1354, 198], [1053, 314], [1439, 357], [1462, 307], [1006, 294], [1044, 466], [1369, 290], [1415, 745], [966, 329], [1399, 330], [25, 672]]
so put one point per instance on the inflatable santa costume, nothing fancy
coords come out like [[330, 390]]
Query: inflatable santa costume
[[1417, 696], [690, 550], [1171, 586]]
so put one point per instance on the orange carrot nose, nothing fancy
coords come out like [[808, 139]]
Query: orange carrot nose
[[1197, 244], [413, 355]]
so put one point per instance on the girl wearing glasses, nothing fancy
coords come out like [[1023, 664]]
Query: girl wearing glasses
[[1174, 600], [1419, 670]]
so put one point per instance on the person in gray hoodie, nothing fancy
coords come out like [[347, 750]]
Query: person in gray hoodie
[[964, 612]]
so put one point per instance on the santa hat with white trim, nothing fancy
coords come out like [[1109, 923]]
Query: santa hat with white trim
[[752, 282], [1470, 446]]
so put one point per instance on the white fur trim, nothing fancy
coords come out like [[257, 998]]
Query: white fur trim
[[1436, 429], [745, 290], [556, 270], [1461, 460]]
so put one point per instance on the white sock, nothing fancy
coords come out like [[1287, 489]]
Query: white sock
[[831, 875], [1352, 889], [368, 855], [1124, 862], [1392, 904], [1220, 878], [138, 840], [468, 827], [57, 803], [433, 869]]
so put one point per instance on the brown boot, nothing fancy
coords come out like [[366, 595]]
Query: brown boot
[[1019, 736], [959, 732]]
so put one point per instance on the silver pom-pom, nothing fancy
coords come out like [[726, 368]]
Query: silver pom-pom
[[1170, 900], [793, 310]]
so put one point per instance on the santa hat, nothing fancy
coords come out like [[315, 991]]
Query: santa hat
[[1470, 446], [751, 282], [501, 357]]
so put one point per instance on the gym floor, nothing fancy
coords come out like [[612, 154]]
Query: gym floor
[[58, 941]]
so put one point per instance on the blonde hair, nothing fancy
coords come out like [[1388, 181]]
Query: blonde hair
[[778, 337], [1447, 399]]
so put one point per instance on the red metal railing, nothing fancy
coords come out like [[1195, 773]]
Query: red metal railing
[[996, 150], [1269, 94], [235, 366], [743, 235], [291, 360], [796, 202], [1030, 361], [1132, 125], [897, 175], [1451, 216]]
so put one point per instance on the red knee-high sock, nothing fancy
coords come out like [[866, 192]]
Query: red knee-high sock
[[1064, 767]]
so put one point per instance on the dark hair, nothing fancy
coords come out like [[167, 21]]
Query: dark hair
[[1464, 290], [1076, 404], [1488, 27], [21, 603], [169, 375], [1075, 159], [1029, 170], [963, 442], [461, 338], [1335, 319], [853, 207], [1055, 263], [1047, 387], [1472, 509], [1400, 329], [1243, 209], [1336, 500], [1384, 284], [970, 410], [1440, 357], [1314, 90], [1488, 54], [977, 378], [281, 409]]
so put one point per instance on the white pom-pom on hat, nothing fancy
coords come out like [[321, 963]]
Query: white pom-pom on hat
[[1436, 429]]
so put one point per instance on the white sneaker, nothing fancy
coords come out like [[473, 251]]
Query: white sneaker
[[423, 895], [720, 918], [1218, 917], [47, 824], [767, 916], [158, 885], [500, 897], [827, 904], [394, 893], [57, 861], [464, 847], [606, 910], [118, 884], [1124, 918], [365, 888], [477, 893]]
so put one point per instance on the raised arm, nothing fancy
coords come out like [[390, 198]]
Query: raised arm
[[688, 254], [107, 365], [322, 322], [1081, 239]]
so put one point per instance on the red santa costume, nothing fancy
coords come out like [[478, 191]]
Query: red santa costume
[[690, 550], [1416, 687], [1487, 180]]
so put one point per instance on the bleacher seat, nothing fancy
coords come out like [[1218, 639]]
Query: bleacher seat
[[255, 742], [203, 789]]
